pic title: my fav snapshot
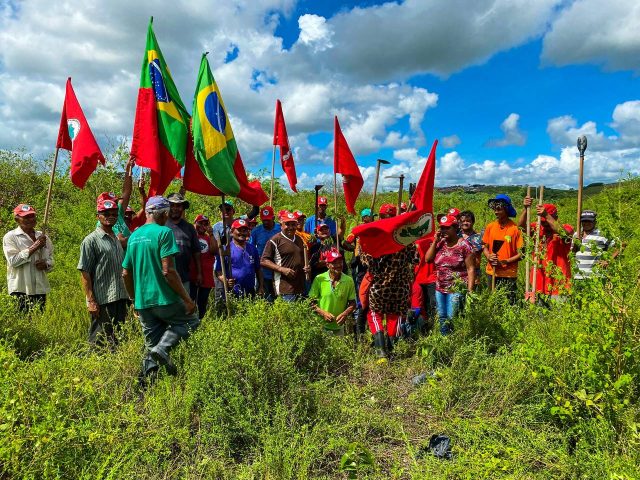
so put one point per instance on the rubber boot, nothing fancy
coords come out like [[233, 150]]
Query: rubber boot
[[379, 344], [160, 352]]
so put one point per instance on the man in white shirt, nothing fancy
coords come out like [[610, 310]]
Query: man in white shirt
[[29, 255]]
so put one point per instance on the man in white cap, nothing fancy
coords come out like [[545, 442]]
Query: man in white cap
[[590, 246], [29, 255]]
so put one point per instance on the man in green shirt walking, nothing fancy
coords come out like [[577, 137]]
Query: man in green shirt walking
[[334, 293], [166, 312]]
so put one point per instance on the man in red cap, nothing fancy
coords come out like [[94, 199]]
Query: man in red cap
[[334, 294], [553, 270], [29, 255], [284, 255], [322, 244], [260, 235], [310, 224], [208, 249], [387, 210], [100, 265], [243, 267]]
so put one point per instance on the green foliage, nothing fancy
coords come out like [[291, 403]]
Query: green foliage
[[523, 392]]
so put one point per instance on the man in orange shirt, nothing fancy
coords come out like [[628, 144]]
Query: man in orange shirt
[[505, 259]]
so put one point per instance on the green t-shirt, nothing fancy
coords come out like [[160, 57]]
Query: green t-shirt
[[147, 246], [120, 226], [333, 300]]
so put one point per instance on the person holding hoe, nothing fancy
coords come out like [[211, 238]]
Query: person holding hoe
[[502, 246]]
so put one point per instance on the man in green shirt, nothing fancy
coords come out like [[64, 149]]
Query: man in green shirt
[[165, 310], [334, 294]]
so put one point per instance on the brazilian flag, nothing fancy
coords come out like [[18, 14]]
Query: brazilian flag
[[214, 145]]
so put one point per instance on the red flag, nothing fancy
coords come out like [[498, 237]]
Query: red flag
[[345, 164], [422, 197], [195, 181], [75, 135], [281, 139], [390, 235]]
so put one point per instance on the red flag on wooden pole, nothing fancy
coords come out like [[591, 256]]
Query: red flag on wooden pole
[[345, 164], [281, 139], [75, 135]]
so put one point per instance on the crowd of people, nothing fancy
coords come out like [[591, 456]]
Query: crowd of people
[[166, 267]]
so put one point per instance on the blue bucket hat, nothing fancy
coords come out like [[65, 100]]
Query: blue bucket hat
[[157, 203], [501, 197]]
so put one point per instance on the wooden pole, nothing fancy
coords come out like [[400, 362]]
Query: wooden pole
[[45, 221], [375, 188], [401, 177], [224, 252], [306, 260], [536, 250], [273, 174], [527, 280], [582, 146]]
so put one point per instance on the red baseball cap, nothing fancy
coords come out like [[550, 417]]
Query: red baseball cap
[[239, 223], [403, 206], [332, 255], [388, 209], [106, 203], [286, 216], [447, 220], [322, 225], [322, 201], [299, 214], [200, 218], [23, 210], [551, 209], [108, 196], [266, 213], [454, 211]]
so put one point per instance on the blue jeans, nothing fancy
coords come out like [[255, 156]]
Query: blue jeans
[[291, 297], [449, 305]]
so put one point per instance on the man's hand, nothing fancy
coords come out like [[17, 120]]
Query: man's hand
[[130, 164], [527, 202], [261, 291], [93, 307], [41, 264], [289, 272], [328, 317], [493, 259], [199, 279], [340, 319], [40, 242], [190, 306]]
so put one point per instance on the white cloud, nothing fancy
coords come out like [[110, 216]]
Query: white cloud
[[593, 31], [314, 31], [512, 134], [451, 141]]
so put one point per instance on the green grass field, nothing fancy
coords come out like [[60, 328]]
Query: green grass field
[[522, 392]]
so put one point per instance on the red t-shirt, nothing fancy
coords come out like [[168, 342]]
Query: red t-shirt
[[553, 270], [450, 264], [206, 260], [425, 272]]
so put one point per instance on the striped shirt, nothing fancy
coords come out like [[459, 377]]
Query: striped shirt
[[101, 256], [592, 246]]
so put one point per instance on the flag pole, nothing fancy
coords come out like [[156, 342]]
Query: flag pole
[[50, 191], [273, 173], [335, 206], [536, 250], [582, 146], [223, 253], [527, 280]]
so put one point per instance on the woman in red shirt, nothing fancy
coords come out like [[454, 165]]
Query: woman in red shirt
[[208, 249]]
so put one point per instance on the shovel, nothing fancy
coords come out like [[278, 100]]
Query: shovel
[[496, 245]]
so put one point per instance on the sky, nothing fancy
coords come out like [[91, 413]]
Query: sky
[[506, 86]]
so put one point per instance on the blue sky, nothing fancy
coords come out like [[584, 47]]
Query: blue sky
[[506, 86]]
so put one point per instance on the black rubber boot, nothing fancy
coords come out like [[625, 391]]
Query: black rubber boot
[[391, 341], [160, 353]]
